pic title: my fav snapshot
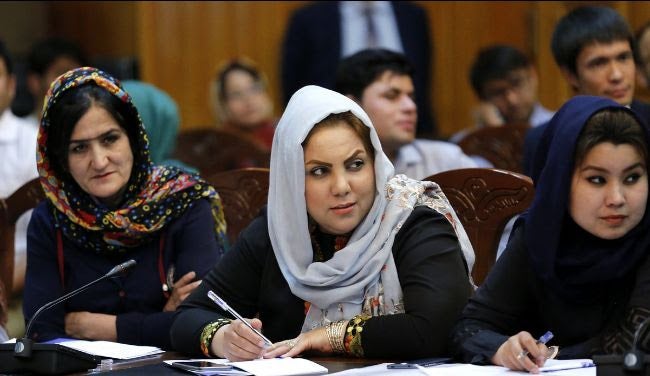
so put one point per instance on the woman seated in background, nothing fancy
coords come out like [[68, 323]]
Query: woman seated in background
[[345, 259], [576, 264], [243, 105], [107, 203], [159, 113]]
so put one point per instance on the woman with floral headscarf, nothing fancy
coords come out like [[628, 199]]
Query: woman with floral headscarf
[[347, 259], [107, 203]]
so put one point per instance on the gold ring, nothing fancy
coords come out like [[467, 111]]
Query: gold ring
[[291, 343]]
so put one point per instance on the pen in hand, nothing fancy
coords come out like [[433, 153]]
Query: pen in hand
[[543, 339], [215, 298]]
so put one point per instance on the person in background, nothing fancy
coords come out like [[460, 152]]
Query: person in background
[[47, 60], [593, 46], [643, 56], [347, 259], [107, 203], [243, 104], [577, 264], [322, 33], [159, 113], [506, 83], [17, 152], [381, 82]]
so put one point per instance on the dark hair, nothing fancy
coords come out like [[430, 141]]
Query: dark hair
[[4, 55], [236, 65], [495, 63], [73, 104], [43, 53], [354, 122], [616, 125], [358, 71], [583, 26]]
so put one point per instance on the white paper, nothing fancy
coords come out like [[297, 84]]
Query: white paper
[[113, 350], [557, 365], [281, 367]]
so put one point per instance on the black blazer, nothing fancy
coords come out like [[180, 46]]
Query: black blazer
[[311, 51]]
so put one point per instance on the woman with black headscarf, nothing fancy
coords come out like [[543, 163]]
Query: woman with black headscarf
[[576, 263]]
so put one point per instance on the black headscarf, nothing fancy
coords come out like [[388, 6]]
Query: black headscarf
[[573, 263]]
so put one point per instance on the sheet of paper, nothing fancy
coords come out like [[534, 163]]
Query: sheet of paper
[[281, 367], [558, 365], [233, 371], [112, 349]]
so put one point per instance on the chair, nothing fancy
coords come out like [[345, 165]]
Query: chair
[[501, 146], [484, 200], [11, 208], [213, 150], [243, 193]]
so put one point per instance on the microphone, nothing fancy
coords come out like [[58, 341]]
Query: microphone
[[633, 360], [24, 346]]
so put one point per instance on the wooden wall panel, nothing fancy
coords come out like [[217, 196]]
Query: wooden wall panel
[[179, 44], [183, 43]]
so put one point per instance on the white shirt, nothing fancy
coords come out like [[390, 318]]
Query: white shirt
[[354, 27], [18, 155], [422, 158]]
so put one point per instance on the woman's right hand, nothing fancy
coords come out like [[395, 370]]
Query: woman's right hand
[[237, 342], [511, 353]]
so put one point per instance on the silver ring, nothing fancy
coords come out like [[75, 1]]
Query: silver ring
[[522, 355]]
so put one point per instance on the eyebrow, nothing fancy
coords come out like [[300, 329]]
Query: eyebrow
[[348, 159], [600, 169], [95, 138]]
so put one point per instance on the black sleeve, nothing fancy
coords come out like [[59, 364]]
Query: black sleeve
[[435, 287], [236, 279], [496, 310]]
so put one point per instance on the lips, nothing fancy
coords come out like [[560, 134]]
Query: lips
[[102, 175], [343, 208], [614, 219]]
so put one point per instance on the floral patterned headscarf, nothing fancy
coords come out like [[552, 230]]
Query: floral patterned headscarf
[[155, 195]]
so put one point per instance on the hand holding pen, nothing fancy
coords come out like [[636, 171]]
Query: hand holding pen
[[234, 341], [523, 352]]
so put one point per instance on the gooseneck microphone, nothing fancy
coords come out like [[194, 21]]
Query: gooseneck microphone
[[23, 347], [633, 360]]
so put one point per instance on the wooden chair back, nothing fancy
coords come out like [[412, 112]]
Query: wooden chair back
[[243, 193], [484, 200], [11, 208], [501, 146], [213, 150]]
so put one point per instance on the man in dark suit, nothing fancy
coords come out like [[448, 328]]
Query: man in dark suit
[[322, 33], [593, 46]]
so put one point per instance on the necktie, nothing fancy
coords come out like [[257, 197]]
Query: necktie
[[371, 32]]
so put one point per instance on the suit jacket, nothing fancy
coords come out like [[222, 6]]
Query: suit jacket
[[312, 49], [534, 135]]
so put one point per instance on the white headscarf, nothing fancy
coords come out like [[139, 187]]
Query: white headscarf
[[364, 269]]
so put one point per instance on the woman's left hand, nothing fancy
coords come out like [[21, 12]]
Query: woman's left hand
[[182, 288], [315, 340], [91, 326]]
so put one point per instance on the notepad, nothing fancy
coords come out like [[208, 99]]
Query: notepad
[[559, 365]]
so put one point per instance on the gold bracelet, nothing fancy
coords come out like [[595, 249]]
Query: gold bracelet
[[207, 334], [336, 334]]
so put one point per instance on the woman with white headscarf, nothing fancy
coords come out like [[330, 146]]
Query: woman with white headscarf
[[344, 260]]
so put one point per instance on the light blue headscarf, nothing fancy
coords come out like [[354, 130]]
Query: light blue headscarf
[[364, 269]]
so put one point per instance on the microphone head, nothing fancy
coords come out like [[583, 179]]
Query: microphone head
[[121, 268]]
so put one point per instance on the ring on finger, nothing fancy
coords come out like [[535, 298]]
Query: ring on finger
[[291, 343]]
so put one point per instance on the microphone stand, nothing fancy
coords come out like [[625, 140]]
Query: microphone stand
[[632, 362], [24, 347]]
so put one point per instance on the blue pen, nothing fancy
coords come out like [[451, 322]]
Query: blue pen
[[215, 298], [543, 339]]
